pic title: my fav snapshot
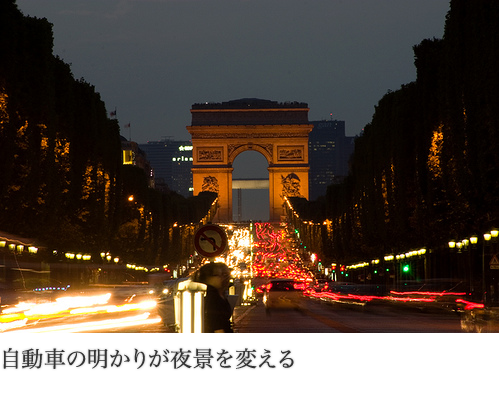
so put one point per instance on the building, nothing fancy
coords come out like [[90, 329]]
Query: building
[[329, 151], [135, 156], [278, 131], [171, 162]]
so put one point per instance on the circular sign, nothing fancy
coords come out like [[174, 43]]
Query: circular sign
[[210, 241]]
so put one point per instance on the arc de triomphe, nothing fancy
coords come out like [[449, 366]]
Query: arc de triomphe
[[222, 131]]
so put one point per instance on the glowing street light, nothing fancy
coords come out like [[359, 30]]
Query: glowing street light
[[473, 239]]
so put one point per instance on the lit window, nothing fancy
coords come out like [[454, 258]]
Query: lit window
[[127, 157]]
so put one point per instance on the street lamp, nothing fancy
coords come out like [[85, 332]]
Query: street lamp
[[486, 237]]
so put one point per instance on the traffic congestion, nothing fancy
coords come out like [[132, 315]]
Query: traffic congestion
[[268, 268]]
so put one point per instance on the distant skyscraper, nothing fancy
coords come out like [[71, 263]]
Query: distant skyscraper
[[329, 151], [171, 162]]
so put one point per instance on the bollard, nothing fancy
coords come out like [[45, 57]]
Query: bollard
[[189, 307]]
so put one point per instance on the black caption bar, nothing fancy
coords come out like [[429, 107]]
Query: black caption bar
[[149, 358]]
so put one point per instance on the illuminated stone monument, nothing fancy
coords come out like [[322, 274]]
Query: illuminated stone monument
[[222, 131]]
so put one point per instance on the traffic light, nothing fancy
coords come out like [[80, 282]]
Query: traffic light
[[406, 268]]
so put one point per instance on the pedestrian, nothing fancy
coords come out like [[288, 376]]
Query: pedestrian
[[217, 310]]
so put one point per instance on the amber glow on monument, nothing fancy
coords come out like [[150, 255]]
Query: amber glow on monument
[[278, 131]]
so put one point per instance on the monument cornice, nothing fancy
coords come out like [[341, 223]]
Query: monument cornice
[[249, 131], [221, 110]]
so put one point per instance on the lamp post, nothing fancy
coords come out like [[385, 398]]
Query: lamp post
[[491, 239], [473, 243], [451, 258], [486, 239]]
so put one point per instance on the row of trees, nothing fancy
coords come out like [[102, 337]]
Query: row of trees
[[61, 175], [426, 168]]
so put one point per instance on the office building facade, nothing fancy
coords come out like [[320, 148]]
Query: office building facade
[[172, 163], [329, 151]]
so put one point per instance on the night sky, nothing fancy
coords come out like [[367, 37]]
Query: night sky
[[152, 59]]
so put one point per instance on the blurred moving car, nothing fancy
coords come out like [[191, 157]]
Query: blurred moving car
[[282, 293]]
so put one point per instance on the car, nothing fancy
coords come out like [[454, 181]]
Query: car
[[343, 287], [282, 293], [321, 285]]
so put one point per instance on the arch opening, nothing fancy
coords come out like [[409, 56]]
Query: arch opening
[[250, 187]]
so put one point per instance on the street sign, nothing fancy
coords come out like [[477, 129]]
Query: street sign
[[210, 241], [494, 262]]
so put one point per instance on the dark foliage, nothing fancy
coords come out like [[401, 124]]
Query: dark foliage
[[426, 168], [62, 180]]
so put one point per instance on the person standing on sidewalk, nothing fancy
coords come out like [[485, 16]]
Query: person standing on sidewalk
[[217, 310]]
